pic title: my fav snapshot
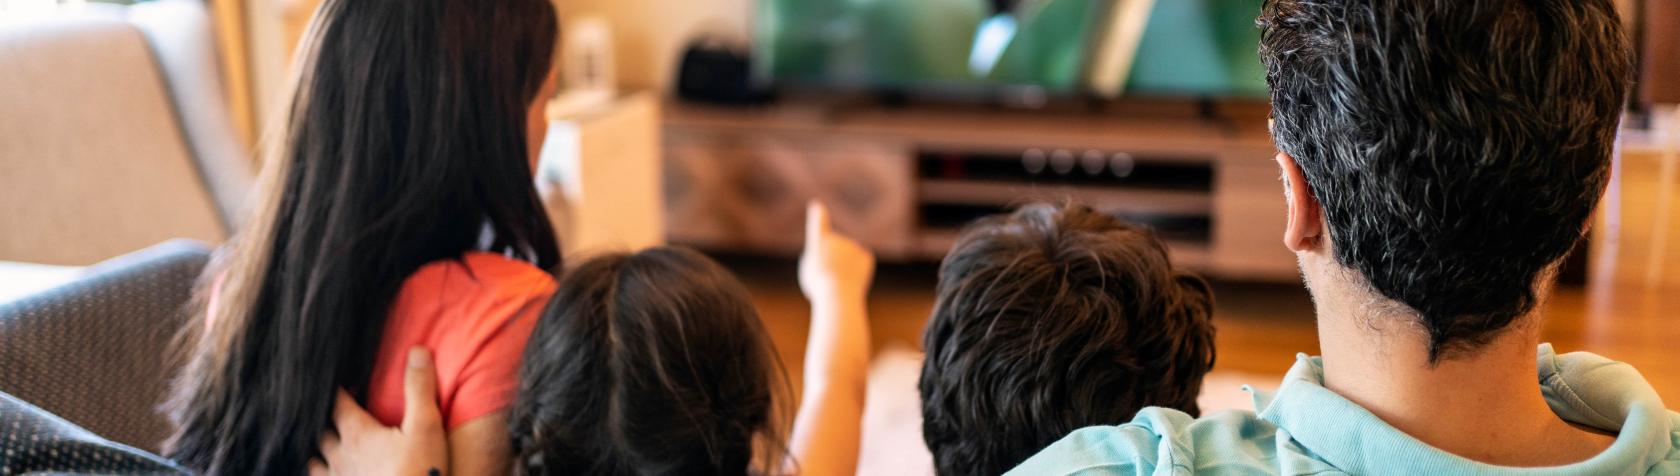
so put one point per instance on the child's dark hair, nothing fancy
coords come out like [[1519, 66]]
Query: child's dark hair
[[1051, 319], [648, 363]]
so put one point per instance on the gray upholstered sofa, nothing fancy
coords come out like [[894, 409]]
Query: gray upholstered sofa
[[34, 441], [97, 350]]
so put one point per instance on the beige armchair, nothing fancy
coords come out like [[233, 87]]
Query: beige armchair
[[113, 133]]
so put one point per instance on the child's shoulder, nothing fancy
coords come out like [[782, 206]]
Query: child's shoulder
[[475, 313]]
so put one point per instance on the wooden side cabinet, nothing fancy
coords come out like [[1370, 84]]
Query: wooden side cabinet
[[599, 175], [906, 180]]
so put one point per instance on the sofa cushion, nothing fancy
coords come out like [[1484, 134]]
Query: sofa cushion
[[33, 441]]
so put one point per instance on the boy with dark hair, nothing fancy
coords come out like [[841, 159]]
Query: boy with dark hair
[[1050, 319]]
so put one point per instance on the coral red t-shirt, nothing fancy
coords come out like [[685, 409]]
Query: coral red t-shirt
[[474, 315]]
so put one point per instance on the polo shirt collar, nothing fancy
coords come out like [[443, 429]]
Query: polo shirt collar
[[1581, 388]]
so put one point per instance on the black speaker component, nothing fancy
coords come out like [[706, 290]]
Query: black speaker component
[[719, 72]]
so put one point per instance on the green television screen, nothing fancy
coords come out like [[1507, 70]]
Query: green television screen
[[1196, 48]]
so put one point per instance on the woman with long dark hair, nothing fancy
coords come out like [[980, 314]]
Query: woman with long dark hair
[[396, 211]]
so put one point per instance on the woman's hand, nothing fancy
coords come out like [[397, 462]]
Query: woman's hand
[[363, 446]]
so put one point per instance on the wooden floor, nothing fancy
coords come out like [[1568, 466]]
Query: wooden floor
[[1629, 311]]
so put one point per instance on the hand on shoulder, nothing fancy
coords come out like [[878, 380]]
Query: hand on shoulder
[[363, 446]]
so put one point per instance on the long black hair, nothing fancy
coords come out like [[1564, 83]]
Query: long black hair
[[405, 144], [649, 363]]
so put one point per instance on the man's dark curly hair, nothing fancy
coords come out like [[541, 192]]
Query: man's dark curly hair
[[1051, 319], [1457, 146]]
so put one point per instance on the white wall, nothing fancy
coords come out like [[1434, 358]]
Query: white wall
[[649, 35]]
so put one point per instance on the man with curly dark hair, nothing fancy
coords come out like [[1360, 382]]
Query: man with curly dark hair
[[1050, 319], [1439, 159]]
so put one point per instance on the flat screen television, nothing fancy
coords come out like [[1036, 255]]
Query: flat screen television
[[1101, 48]]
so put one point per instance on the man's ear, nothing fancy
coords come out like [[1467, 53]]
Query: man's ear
[[1306, 218]]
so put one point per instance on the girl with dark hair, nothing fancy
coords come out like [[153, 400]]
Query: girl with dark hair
[[396, 211], [647, 363], [656, 363]]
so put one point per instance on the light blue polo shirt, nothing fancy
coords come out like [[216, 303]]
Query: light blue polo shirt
[[1305, 429]]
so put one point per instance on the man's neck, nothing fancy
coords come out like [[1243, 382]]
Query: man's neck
[[1485, 405]]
